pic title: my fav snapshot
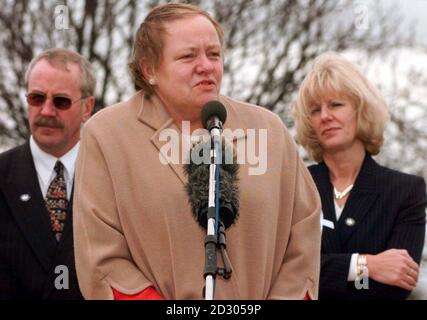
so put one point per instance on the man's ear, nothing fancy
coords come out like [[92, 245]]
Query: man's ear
[[88, 108]]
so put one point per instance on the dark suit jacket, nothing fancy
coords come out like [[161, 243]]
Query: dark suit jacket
[[29, 252], [388, 208]]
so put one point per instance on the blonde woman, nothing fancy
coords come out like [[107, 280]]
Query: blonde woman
[[373, 218]]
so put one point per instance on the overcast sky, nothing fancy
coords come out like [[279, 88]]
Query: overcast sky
[[414, 10]]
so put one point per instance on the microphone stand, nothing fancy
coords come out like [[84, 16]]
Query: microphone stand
[[211, 237], [226, 271]]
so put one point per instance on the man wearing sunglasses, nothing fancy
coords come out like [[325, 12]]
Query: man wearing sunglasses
[[36, 184]]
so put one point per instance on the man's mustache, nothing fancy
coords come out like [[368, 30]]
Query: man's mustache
[[48, 122]]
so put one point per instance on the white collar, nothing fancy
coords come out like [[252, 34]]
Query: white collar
[[45, 162]]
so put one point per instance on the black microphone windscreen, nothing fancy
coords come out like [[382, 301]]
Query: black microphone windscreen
[[211, 109], [197, 187]]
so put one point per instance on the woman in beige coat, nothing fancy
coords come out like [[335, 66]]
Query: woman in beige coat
[[133, 226]]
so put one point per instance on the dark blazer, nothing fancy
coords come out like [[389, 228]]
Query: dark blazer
[[29, 252], [388, 209]]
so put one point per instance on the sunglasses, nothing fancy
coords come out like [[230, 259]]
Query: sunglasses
[[60, 102]]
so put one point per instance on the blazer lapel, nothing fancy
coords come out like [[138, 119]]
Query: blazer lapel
[[360, 200], [28, 207], [330, 239]]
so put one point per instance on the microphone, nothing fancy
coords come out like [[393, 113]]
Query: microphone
[[214, 115], [197, 186], [212, 192]]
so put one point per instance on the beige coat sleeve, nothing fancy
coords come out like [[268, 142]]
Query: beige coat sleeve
[[103, 260], [300, 270]]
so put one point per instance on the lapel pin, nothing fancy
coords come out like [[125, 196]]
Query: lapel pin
[[25, 197], [350, 222]]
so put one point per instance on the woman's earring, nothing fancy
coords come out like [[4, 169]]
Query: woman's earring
[[152, 81]]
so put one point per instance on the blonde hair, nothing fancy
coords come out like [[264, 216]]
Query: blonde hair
[[332, 76], [149, 38], [60, 57]]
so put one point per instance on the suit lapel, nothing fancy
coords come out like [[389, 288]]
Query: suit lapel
[[28, 207], [330, 239], [361, 199]]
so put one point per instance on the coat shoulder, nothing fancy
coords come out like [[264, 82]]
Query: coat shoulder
[[252, 113], [10, 156], [112, 113], [398, 179], [253, 117]]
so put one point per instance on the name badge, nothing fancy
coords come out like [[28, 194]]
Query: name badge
[[326, 223]]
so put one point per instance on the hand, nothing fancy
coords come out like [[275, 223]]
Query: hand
[[393, 267]]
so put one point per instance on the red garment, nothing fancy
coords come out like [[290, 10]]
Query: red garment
[[151, 294], [148, 294]]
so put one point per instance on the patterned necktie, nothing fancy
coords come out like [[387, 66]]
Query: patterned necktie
[[57, 201]]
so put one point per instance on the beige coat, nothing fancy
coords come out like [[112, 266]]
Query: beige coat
[[133, 226]]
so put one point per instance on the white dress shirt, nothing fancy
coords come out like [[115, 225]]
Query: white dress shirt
[[45, 164]]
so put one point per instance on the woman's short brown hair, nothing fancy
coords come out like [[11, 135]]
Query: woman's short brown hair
[[148, 42], [333, 75]]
